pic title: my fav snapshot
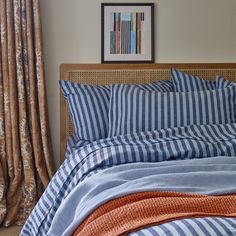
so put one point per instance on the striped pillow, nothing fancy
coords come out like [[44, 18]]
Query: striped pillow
[[222, 83], [89, 104], [184, 82], [88, 109], [133, 109]]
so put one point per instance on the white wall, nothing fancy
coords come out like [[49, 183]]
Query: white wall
[[185, 31]]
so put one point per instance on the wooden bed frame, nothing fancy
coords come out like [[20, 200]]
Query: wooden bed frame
[[129, 73]]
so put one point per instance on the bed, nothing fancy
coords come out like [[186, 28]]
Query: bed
[[152, 154]]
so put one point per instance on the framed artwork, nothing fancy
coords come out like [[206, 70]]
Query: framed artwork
[[127, 33]]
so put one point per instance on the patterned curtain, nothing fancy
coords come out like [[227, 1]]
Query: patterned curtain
[[26, 162]]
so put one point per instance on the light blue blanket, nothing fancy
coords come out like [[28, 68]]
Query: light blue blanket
[[211, 176]]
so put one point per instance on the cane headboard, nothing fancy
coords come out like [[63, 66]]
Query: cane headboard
[[128, 73]]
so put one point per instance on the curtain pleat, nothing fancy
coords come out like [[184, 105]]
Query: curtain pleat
[[26, 161]]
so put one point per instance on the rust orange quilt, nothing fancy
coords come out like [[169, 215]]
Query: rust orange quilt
[[138, 210]]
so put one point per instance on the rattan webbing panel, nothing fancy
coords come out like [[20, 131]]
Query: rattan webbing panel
[[102, 74]]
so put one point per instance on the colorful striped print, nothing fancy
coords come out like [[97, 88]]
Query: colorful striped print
[[126, 32], [88, 106], [210, 226], [184, 82], [133, 109], [176, 143]]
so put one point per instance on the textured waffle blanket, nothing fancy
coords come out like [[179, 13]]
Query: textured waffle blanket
[[129, 213]]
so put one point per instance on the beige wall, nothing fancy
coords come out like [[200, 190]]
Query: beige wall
[[185, 31], [234, 25]]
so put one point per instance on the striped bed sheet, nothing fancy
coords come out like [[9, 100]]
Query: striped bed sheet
[[164, 146], [209, 226]]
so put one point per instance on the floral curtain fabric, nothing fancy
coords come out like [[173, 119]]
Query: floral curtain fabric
[[26, 161]]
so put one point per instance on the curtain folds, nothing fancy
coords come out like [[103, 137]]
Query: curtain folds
[[26, 161]]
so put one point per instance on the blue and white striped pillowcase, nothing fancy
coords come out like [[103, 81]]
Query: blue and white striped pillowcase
[[133, 109], [222, 83], [184, 82], [88, 109], [89, 104], [159, 86]]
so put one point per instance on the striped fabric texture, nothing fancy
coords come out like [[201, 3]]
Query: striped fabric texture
[[209, 226], [184, 82], [73, 141], [222, 83], [89, 104], [88, 109], [180, 143], [133, 109]]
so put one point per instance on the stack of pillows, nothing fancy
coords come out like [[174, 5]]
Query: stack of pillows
[[99, 112]]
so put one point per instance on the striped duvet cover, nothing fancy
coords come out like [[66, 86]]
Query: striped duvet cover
[[198, 159], [210, 226]]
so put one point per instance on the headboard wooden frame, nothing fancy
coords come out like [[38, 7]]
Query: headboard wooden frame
[[129, 73]]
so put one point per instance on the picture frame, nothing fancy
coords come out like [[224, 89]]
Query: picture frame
[[127, 32]]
